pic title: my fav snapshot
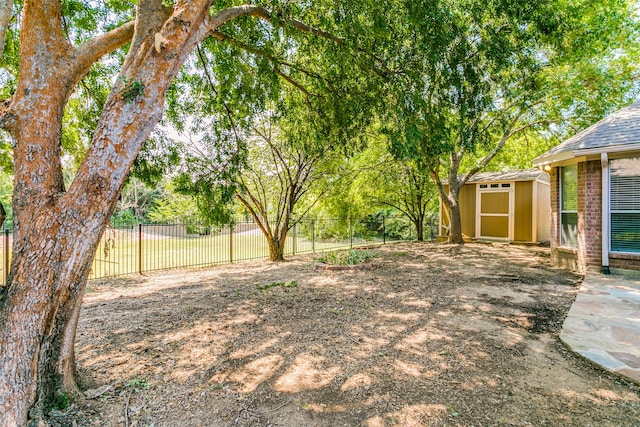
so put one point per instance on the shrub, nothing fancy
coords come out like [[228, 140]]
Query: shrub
[[351, 257]]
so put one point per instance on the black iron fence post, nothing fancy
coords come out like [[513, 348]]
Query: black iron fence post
[[6, 256], [140, 262], [231, 244], [350, 234], [295, 238], [313, 236]]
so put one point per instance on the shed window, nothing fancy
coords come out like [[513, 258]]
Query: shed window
[[625, 205], [569, 206]]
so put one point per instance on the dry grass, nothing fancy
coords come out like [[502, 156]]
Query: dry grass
[[435, 335]]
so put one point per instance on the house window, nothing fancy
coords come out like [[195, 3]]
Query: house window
[[569, 206], [625, 205]]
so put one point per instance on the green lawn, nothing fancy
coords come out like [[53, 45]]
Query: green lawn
[[123, 252], [120, 252]]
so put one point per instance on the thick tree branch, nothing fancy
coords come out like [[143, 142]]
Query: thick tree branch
[[41, 27], [258, 11], [275, 62], [6, 9], [439, 184], [508, 133], [255, 215], [92, 50]]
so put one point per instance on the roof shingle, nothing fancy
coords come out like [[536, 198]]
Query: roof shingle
[[517, 175], [618, 129]]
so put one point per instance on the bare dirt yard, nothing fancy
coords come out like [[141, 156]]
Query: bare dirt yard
[[435, 335]]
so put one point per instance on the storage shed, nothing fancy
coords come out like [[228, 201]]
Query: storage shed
[[503, 206]]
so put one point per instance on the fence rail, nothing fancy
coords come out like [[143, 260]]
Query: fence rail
[[136, 248]]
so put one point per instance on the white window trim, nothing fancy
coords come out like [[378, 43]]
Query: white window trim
[[560, 211]]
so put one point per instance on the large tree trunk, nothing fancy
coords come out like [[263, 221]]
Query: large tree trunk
[[56, 232], [455, 223], [419, 223], [276, 249], [41, 304], [451, 204], [450, 198]]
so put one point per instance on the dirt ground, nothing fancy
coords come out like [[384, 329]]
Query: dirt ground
[[435, 335]]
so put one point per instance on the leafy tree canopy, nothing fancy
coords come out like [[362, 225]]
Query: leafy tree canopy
[[473, 67]]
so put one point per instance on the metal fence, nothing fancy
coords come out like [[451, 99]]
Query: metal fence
[[135, 248]]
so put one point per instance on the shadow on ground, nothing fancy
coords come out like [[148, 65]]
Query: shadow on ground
[[435, 335]]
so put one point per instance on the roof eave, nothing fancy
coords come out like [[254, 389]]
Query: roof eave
[[608, 150], [553, 158], [568, 155]]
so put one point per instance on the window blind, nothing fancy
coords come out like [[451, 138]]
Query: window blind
[[625, 205]]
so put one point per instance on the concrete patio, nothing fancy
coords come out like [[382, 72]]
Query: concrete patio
[[603, 324]]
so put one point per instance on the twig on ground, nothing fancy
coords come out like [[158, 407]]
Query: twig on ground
[[126, 409], [277, 407]]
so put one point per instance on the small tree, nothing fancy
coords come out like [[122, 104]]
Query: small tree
[[401, 184], [137, 199], [281, 173], [408, 188], [277, 154]]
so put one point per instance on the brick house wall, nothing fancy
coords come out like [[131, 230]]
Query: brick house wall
[[626, 261], [588, 254], [590, 214]]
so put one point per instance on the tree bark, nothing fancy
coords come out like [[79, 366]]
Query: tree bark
[[450, 198], [57, 232], [276, 250], [43, 292], [419, 223], [450, 202], [455, 223], [6, 8]]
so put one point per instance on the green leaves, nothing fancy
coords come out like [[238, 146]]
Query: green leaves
[[474, 67]]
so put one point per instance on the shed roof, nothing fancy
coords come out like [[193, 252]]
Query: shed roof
[[517, 175], [620, 131]]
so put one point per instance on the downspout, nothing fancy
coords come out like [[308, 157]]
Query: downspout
[[606, 217]]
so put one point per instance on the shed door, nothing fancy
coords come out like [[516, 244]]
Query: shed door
[[495, 211]]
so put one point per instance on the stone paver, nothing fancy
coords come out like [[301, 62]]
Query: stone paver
[[603, 324]]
